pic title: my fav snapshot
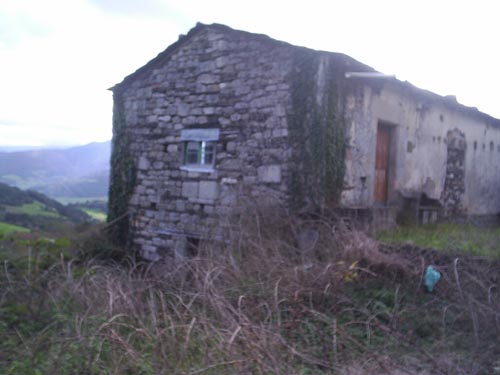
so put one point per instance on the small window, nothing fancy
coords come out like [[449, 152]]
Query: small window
[[199, 153], [199, 146]]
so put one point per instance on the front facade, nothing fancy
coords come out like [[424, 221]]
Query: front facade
[[225, 118]]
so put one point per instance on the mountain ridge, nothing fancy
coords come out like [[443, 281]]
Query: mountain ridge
[[81, 171]]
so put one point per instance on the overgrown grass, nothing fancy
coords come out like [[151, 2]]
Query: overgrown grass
[[467, 239], [6, 228], [34, 209], [254, 304]]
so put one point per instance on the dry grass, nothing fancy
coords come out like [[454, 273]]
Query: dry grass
[[257, 304]]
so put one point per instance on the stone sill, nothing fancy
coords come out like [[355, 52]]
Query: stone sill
[[197, 169]]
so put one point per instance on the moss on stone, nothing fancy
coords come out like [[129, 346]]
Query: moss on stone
[[122, 178], [317, 133]]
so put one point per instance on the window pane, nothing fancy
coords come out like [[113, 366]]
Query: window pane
[[192, 153], [200, 153], [209, 153]]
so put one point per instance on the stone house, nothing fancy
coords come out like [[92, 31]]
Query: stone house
[[224, 118]]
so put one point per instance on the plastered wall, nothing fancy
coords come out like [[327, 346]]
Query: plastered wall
[[418, 154]]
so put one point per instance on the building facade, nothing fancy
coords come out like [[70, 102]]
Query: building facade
[[224, 118]]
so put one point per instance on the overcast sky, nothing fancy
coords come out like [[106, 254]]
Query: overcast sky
[[58, 57]]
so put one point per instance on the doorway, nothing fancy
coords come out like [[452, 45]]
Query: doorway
[[380, 191]]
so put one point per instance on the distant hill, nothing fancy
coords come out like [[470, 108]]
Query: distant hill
[[33, 210], [81, 171], [30, 148]]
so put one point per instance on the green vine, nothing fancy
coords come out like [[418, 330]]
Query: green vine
[[122, 178], [317, 133]]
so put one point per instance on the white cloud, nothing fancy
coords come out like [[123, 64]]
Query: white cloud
[[58, 57]]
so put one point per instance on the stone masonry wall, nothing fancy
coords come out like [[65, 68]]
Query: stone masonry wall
[[454, 184], [229, 81]]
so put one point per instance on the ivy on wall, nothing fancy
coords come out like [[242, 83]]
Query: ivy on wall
[[317, 132], [122, 177]]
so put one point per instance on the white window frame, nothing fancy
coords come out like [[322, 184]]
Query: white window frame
[[203, 138]]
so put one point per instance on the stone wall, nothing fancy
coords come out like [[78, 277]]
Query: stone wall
[[454, 184], [233, 82]]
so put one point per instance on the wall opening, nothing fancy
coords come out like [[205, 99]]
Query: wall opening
[[186, 247], [192, 246], [384, 163]]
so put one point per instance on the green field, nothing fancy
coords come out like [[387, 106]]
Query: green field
[[71, 200], [9, 228], [94, 214], [33, 209]]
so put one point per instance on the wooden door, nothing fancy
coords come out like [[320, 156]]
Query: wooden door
[[382, 164]]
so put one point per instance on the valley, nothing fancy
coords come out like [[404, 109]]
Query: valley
[[25, 211], [77, 173]]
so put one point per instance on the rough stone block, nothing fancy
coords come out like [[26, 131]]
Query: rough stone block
[[180, 206], [172, 148], [209, 110], [182, 109], [158, 241], [208, 190], [190, 189], [269, 173], [207, 78], [143, 163], [228, 197], [231, 165]]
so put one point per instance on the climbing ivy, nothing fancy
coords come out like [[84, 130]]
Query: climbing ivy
[[122, 178], [316, 132]]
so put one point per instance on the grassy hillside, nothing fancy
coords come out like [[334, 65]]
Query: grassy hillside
[[36, 208], [33, 210], [96, 209], [9, 228], [74, 172]]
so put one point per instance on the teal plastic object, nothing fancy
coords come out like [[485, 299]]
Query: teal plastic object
[[431, 278]]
